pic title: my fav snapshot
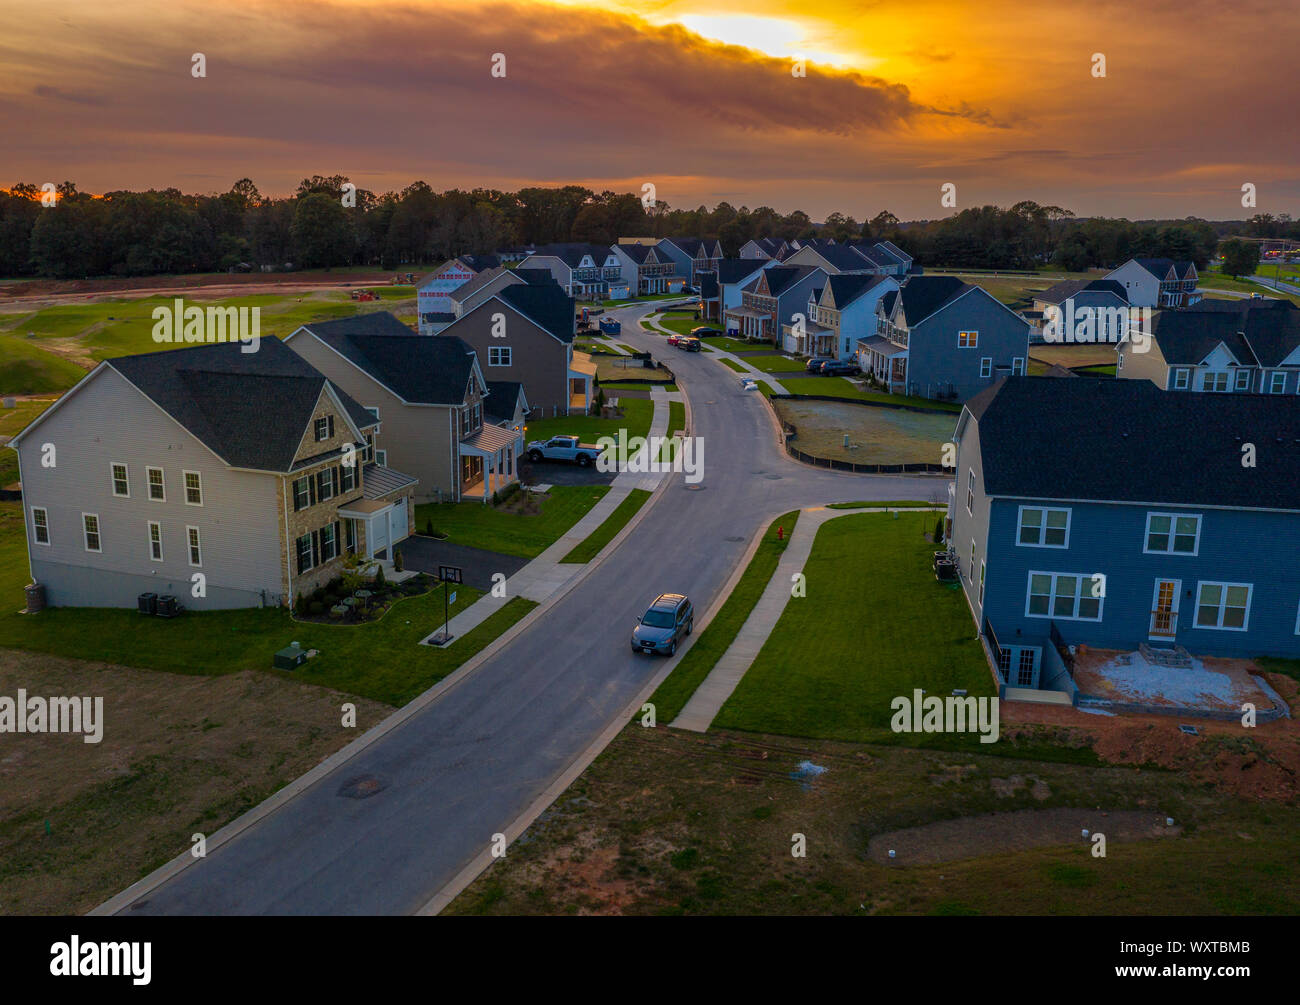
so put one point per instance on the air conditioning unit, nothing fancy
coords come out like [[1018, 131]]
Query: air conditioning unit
[[147, 603], [167, 607]]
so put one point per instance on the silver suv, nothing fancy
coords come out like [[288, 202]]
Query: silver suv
[[667, 621]]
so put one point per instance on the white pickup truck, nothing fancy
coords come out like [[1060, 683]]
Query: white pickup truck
[[563, 448]]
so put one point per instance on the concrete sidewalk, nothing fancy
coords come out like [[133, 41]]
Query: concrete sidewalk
[[716, 353], [546, 574], [722, 680]]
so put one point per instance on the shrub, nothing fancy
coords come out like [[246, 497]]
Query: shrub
[[300, 605], [398, 564], [380, 581], [938, 531], [428, 527], [316, 608]]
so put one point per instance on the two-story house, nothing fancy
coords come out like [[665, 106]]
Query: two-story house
[[1128, 518], [839, 315], [691, 256], [722, 288], [524, 333], [1158, 282], [222, 478], [583, 271], [433, 292], [1080, 310], [1250, 346], [765, 249], [861, 258], [648, 269], [939, 337], [430, 395], [771, 299]]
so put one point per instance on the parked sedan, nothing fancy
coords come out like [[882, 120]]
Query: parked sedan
[[839, 368], [704, 331], [665, 623], [673, 339], [815, 364]]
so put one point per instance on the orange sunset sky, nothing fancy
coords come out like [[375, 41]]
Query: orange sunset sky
[[900, 97]]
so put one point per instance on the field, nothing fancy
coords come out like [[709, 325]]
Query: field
[[1069, 356], [842, 387], [876, 435], [637, 414]]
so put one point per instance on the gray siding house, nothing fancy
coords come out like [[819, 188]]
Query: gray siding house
[[216, 476]]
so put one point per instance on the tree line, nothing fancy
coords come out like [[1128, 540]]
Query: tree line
[[329, 222]]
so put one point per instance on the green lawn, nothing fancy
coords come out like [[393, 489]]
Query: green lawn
[[681, 322], [733, 365], [737, 345], [1218, 281], [12, 421], [874, 625], [611, 390], [612, 524], [779, 364], [380, 660], [840, 387], [670, 697], [637, 413], [870, 504], [527, 536]]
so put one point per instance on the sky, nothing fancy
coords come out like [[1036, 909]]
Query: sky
[[1001, 99]]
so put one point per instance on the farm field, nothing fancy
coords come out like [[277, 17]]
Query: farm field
[[876, 435]]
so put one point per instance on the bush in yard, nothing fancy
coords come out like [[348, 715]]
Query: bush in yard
[[380, 582], [428, 527], [398, 563], [938, 531], [316, 609], [300, 605]]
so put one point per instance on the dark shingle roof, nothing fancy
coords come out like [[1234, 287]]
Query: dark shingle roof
[[547, 305], [1154, 446], [1257, 334], [480, 263], [502, 398], [923, 295], [536, 277], [847, 288], [781, 277], [376, 323], [708, 285], [1159, 267], [419, 369], [733, 270], [1063, 291], [250, 409], [571, 253]]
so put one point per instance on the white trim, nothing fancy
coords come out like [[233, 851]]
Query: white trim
[[1173, 608], [504, 353], [85, 534], [49, 538], [1185, 374], [1042, 528], [148, 487], [185, 486], [1017, 366], [1173, 532], [1223, 606], [126, 477], [1082, 577], [967, 332], [189, 547], [970, 491], [986, 366], [149, 526]]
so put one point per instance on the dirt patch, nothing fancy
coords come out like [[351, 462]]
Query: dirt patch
[[997, 833], [209, 284], [1006, 788], [179, 755], [876, 435]]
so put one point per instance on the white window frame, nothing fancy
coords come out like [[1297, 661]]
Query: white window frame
[[504, 355], [152, 557], [373, 410], [126, 477], [1223, 606], [986, 366], [982, 571], [1210, 381], [381, 458], [193, 545], [316, 431], [974, 552], [1273, 382], [162, 484], [1017, 366], [1173, 532], [972, 340], [185, 486], [1042, 527], [1182, 378], [45, 513], [334, 544], [1238, 383], [1082, 577], [86, 532], [970, 491], [328, 486]]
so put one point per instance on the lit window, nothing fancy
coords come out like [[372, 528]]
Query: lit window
[[968, 340]]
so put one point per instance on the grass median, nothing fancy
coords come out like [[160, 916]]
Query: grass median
[[603, 534]]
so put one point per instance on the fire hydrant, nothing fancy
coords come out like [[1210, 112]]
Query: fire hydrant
[[780, 533]]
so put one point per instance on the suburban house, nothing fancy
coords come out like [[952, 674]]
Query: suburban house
[[1127, 520], [488, 282], [648, 269], [524, 333], [723, 287], [433, 293], [221, 478], [691, 256], [583, 271], [506, 404], [938, 337], [838, 316], [765, 249], [1157, 282], [430, 396], [864, 259], [1250, 346], [1081, 310], [771, 299]]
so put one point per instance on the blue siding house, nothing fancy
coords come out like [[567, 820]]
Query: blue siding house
[[939, 337], [1114, 514]]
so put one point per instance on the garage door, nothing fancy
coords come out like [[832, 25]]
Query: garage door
[[397, 521], [379, 534]]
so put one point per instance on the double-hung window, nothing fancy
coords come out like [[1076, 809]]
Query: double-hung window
[[1173, 534], [986, 366], [121, 484], [1225, 606], [192, 539], [193, 489], [1277, 382], [1065, 595], [40, 525], [970, 491], [328, 545], [301, 493], [1044, 528], [1180, 379], [90, 527], [157, 489], [155, 541], [1243, 380], [1017, 366], [324, 428]]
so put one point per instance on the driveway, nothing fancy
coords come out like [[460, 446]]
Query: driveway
[[463, 767], [424, 554]]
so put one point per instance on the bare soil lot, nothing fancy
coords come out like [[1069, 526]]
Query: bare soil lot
[[180, 755], [876, 435]]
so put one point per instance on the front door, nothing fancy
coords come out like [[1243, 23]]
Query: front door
[[1164, 608]]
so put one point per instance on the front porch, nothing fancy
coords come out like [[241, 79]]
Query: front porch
[[882, 359], [382, 517], [489, 461], [747, 323], [582, 377]]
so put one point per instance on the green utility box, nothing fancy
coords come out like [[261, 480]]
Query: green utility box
[[290, 657]]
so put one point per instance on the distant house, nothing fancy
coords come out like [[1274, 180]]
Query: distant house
[[488, 282], [765, 249], [939, 337], [648, 269], [219, 477], [583, 271], [1158, 282], [1126, 518], [1249, 346], [839, 315], [524, 333], [860, 259], [771, 299], [722, 288], [433, 292], [1082, 310], [691, 256], [430, 396]]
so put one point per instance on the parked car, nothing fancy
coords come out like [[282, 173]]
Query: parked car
[[814, 365], [665, 623], [704, 331], [689, 344], [610, 326], [673, 339], [563, 448], [838, 368], [748, 383]]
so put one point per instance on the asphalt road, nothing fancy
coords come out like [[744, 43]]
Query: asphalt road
[[465, 766]]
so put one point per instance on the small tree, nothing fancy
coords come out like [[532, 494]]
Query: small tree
[[1240, 258], [938, 531], [398, 563], [428, 527], [380, 581]]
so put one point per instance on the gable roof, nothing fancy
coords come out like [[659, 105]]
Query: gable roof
[[780, 278], [572, 252], [1129, 441], [1159, 267], [250, 409], [502, 397], [478, 263], [845, 289], [1063, 291], [1256, 335], [419, 369], [546, 305], [922, 296], [733, 270], [537, 277], [893, 249], [481, 279], [374, 323], [708, 285]]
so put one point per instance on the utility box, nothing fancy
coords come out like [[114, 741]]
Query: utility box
[[147, 603], [290, 657]]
